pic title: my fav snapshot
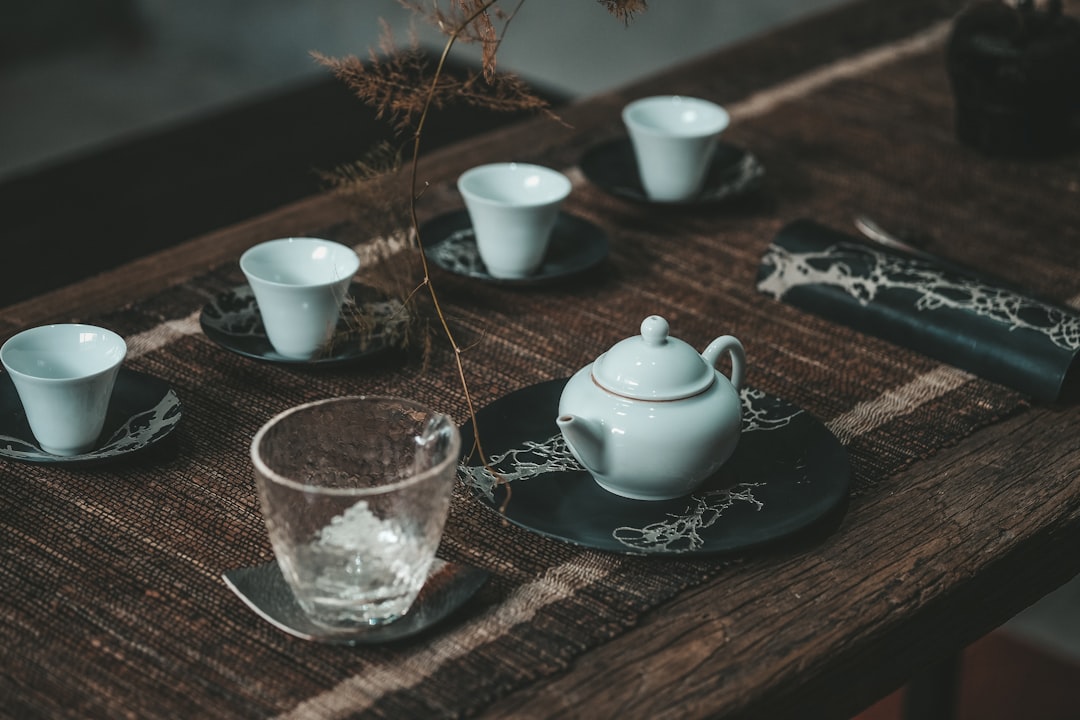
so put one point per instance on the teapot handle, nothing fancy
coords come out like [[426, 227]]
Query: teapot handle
[[730, 345]]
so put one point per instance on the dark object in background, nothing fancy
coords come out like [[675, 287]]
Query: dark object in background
[[1015, 72]]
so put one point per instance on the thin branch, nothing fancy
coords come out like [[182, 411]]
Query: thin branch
[[390, 86], [414, 197]]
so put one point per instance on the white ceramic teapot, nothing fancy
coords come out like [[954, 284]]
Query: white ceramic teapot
[[652, 418]]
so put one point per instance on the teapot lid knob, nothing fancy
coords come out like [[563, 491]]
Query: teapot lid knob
[[654, 329]]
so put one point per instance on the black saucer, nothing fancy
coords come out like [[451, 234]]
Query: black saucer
[[263, 589], [791, 472], [233, 321], [576, 246], [612, 166], [143, 411]]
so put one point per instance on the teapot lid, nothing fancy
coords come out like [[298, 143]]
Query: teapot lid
[[653, 366]]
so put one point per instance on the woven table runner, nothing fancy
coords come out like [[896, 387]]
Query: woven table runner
[[114, 603]]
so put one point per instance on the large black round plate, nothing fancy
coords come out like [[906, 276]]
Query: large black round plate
[[576, 246], [143, 410], [613, 167], [233, 321], [789, 471]]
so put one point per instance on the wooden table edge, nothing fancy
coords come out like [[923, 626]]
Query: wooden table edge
[[1027, 463]]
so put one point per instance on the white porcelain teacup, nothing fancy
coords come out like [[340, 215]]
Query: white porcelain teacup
[[299, 286], [674, 141], [513, 208], [64, 375]]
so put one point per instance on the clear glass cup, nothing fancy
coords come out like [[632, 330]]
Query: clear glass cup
[[355, 492]]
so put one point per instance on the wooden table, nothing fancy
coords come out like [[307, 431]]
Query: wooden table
[[927, 559]]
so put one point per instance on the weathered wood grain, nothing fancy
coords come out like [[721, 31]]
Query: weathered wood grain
[[918, 569]]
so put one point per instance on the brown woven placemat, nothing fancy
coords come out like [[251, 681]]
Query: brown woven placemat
[[113, 599]]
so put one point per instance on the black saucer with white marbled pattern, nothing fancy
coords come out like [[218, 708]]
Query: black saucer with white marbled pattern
[[142, 412], [576, 245], [234, 322], [788, 474], [733, 172]]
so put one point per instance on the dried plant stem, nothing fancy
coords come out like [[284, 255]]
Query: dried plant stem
[[387, 83], [414, 198]]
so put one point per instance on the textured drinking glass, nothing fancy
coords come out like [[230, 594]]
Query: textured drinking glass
[[513, 208], [674, 141], [355, 492], [299, 285], [64, 375]]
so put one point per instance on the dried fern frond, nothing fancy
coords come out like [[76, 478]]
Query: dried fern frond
[[371, 189], [386, 311], [379, 160], [400, 86], [503, 92], [624, 9], [392, 84], [403, 86], [467, 21]]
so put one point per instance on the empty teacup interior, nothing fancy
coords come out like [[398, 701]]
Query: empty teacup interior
[[514, 184], [63, 352], [676, 115], [300, 261]]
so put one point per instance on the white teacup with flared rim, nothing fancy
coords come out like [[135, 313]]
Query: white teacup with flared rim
[[299, 286], [513, 208], [674, 140], [65, 375]]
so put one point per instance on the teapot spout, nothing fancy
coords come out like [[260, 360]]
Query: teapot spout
[[585, 440]]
